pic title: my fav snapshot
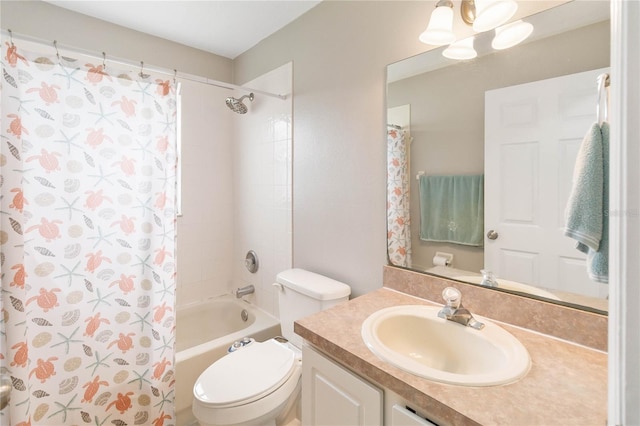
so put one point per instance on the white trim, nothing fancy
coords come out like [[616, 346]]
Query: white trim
[[624, 205]]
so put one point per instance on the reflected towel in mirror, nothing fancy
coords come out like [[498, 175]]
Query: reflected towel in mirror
[[452, 209], [587, 215]]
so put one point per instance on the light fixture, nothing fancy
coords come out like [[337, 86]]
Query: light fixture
[[482, 15], [492, 13], [440, 28], [462, 49], [511, 34]]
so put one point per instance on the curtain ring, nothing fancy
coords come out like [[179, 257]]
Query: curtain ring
[[104, 61], [55, 44], [141, 74], [175, 75]]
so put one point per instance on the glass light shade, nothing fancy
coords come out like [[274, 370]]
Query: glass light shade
[[511, 34], [462, 49], [440, 28], [493, 13]]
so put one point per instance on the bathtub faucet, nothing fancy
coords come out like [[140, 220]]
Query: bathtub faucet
[[243, 291]]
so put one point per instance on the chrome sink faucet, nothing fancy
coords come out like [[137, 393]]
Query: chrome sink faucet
[[454, 311], [488, 279]]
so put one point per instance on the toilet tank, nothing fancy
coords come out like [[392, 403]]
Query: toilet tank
[[302, 293]]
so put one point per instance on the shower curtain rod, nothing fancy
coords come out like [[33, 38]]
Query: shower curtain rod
[[174, 73]]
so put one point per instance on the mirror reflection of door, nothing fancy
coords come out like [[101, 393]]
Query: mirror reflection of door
[[447, 101], [533, 133]]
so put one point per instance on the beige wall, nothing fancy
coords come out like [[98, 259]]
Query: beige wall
[[447, 125], [47, 23], [339, 60], [340, 50]]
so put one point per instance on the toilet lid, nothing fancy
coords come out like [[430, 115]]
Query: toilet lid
[[245, 375]]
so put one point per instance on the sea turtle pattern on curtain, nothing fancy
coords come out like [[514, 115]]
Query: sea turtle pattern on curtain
[[88, 165]]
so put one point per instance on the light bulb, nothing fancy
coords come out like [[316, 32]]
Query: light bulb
[[493, 13], [511, 34], [440, 28], [462, 50]]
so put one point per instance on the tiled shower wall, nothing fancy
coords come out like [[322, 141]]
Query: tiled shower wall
[[205, 229], [236, 190], [262, 182]]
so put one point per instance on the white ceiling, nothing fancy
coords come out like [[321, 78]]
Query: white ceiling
[[226, 28]]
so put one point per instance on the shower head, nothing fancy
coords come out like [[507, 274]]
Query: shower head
[[236, 105]]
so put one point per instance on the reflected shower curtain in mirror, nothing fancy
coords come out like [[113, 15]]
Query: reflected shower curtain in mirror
[[398, 218], [88, 163]]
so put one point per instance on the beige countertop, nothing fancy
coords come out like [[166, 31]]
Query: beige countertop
[[567, 383]]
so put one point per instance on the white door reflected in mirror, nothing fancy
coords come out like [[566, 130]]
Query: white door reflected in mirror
[[533, 133]]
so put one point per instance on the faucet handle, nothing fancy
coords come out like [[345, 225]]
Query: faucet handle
[[452, 296], [488, 278]]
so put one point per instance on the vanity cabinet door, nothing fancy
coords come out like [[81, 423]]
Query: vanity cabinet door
[[332, 395]]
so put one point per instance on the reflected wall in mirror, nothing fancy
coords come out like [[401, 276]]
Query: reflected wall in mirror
[[448, 123]]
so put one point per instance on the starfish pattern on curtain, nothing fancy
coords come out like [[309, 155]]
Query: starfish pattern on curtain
[[88, 175]]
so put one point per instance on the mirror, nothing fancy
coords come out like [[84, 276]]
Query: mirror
[[439, 106]]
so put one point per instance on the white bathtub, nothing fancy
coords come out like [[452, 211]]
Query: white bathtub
[[204, 332]]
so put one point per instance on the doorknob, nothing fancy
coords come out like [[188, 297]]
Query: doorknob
[[492, 235]]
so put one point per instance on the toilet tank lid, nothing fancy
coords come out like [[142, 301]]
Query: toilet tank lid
[[313, 285]]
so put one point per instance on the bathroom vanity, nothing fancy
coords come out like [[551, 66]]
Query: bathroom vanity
[[566, 384], [336, 395]]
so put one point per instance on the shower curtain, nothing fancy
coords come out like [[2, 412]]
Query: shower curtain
[[87, 209], [398, 217]]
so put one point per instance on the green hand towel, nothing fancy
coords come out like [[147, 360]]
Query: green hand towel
[[587, 219], [452, 209]]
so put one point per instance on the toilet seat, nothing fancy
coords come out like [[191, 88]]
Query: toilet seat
[[246, 375]]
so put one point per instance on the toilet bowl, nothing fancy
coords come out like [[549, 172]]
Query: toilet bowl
[[259, 384]]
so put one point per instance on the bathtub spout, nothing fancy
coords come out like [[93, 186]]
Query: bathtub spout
[[243, 291]]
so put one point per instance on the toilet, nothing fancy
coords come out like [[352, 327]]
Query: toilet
[[259, 383]]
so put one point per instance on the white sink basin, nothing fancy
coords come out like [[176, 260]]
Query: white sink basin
[[414, 339], [511, 285]]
